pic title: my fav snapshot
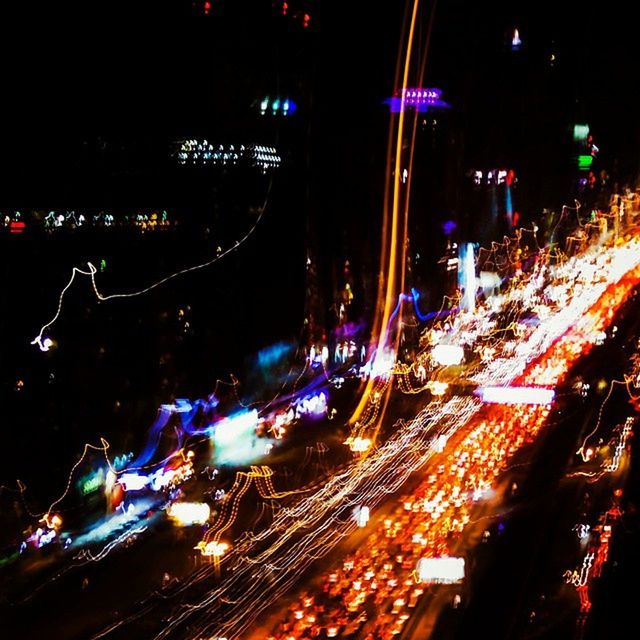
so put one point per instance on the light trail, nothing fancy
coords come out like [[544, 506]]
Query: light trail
[[92, 270], [260, 568], [377, 571]]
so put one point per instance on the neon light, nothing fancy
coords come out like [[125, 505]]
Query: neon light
[[213, 548], [585, 162], [517, 395], [418, 98], [91, 482]]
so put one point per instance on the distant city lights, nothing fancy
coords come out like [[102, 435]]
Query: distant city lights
[[195, 152], [584, 162]]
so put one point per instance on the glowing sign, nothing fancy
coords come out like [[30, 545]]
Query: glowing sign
[[585, 162], [517, 395], [417, 98], [580, 132], [441, 570], [91, 482], [188, 513], [447, 354]]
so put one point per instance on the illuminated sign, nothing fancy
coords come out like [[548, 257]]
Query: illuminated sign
[[440, 570], [91, 482], [417, 98], [585, 162], [580, 132]]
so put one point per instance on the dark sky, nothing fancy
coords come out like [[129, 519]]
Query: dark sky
[[77, 72]]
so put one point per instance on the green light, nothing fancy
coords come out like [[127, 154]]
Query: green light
[[580, 132], [91, 482], [584, 162]]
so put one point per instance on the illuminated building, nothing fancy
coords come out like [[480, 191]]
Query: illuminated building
[[418, 99], [195, 152]]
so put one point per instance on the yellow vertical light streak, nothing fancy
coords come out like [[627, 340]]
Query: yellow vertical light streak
[[390, 249]]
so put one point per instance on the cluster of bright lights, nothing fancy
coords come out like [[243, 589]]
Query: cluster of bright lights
[[475, 464], [413, 542], [14, 222], [318, 355], [212, 549], [314, 405], [620, 446], [437, 387], [202, 152], [493, 177], [277, 106], [358, 445], [188, 513], [44, 534], [418, 98], [317, 519], [316, 522], [73, 220], [524, 426], [380, 366]]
